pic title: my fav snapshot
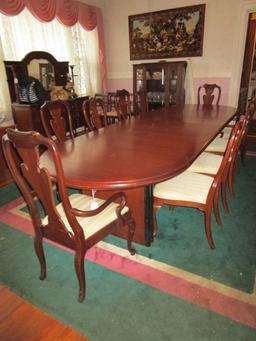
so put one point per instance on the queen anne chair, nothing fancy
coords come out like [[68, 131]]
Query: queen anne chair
[[195, 190], [78, 221], [95, 114], [123, 104], [209, 94], [56, 120], [209, 163]]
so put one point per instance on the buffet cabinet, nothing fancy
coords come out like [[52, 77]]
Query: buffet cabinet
[[27, 116], [162, 81]]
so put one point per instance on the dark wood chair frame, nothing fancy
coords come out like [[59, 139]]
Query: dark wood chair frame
[[95, 114], [28, 174], [213, 194], [56, 120], [123, 104], [208, 96], [87, 114]]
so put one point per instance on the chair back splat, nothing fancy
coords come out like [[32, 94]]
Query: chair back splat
[[95, 113], [73, 222], [209, 94], [123, 104], [56, 120], [98, 113]]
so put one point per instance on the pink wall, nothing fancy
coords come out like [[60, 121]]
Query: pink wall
[[118, 84]]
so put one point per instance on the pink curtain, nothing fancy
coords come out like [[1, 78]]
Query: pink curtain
[[68, 12]]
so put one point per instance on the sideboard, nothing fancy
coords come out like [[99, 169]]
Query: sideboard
[[27, 116]]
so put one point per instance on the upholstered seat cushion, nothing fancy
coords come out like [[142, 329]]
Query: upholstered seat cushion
[[217, 145], [226, 133], [112, 114], [232, 123], [207, 163], [92, 224], [187, 186]]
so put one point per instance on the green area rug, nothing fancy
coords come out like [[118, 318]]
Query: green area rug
[[117, 308], [120, 307], [181, 240]]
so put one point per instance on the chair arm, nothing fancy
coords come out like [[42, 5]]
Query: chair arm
[[117, 196]]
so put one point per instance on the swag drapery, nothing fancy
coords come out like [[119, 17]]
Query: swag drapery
[[67, 12]]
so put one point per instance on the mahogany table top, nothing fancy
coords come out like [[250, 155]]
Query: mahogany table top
[[142, 150]]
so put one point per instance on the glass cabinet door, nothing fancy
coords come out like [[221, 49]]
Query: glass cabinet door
[[155, 85], [163, 82], [139, 76], [172, 81]]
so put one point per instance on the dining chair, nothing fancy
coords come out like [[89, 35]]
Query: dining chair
[[98, 113], [77, 221], [209, 163], [209, 94], [123, 104], [95, 114], [109, 106], [194, 190], [103, 97], [87, 114], [56, 120]]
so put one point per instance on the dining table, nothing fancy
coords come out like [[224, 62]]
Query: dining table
[[133, 155]]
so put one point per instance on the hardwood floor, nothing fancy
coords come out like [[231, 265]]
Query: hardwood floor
[[20, 320]]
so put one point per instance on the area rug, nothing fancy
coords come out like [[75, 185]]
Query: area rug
[[177, 289]]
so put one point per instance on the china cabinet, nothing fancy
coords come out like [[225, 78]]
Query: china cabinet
[[162, 81]]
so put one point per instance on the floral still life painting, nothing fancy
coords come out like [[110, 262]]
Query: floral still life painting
[[167, 34]]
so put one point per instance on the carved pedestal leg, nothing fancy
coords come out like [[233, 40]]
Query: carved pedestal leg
[[38, 245], [79, 266]]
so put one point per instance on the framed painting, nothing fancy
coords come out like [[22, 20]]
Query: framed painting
[[170, 33]]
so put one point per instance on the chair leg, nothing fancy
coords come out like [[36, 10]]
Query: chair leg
[[38, 245], [155, 226], [79, 266], [208, 231], [131, 229], [216, 207]]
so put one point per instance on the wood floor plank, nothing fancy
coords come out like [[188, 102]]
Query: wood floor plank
[[20, 320]]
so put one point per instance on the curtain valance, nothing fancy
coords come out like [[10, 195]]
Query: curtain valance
[[68, 12]]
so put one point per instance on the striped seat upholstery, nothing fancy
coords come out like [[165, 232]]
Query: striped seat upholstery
[[226, 133], [187, 186], [207, 163], [90, 225], [218, 145]]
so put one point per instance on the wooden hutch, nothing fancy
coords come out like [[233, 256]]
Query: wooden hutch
[[162, 81]]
